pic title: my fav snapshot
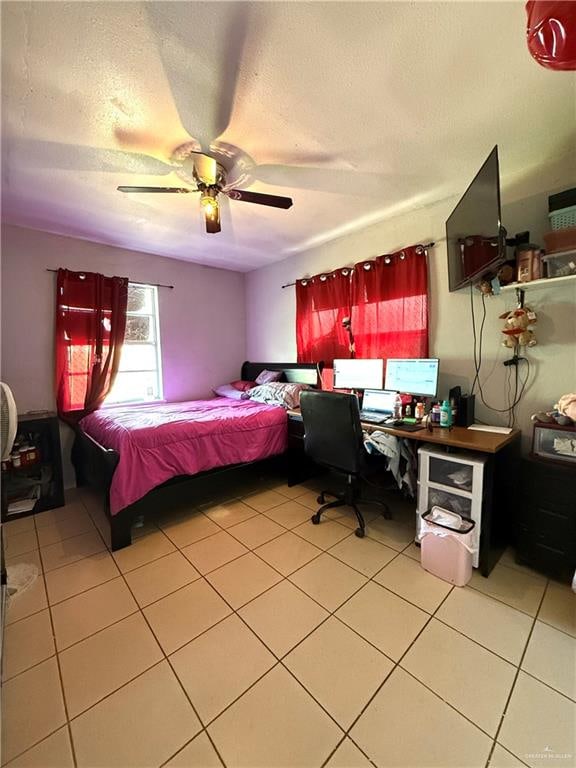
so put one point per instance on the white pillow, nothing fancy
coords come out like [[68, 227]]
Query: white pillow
[[227, 390]]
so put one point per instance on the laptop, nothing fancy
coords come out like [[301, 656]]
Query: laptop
[[377, 405]]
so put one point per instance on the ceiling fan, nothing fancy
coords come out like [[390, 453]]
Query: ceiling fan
[[210, 180]]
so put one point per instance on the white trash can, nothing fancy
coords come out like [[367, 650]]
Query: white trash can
[[447, 545]]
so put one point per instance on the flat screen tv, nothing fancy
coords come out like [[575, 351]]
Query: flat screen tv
[[475, 237]]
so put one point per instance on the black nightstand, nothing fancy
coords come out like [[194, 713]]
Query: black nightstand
[[41, 478], [546, 518]]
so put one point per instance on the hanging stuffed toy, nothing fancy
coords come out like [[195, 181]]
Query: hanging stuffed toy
[[551, 33], [516, 328]]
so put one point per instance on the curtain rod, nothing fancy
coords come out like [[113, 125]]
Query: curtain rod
[[424, 245], [134, 282]]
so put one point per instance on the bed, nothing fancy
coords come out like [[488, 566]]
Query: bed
[[128, 453]]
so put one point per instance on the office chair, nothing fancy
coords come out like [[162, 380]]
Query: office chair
[[333, 438]]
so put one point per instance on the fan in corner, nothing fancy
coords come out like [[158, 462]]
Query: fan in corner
[[8, 420], [210, 179]]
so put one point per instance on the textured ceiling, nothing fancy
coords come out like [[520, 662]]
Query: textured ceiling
[[356, 110]]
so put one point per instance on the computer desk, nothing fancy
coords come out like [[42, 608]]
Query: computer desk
[[500, 482]]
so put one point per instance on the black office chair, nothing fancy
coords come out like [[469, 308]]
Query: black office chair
[[333, 438]]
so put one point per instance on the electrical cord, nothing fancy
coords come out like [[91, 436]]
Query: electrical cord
[[510, 410]]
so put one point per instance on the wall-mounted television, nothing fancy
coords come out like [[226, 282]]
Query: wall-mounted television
[[475, 237]]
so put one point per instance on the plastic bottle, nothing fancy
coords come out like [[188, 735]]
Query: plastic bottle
[[408, 411], [398, 406], [435, 414], [419, 413], [445, 414]]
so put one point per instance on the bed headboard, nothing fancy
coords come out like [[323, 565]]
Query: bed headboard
[[300, 373]]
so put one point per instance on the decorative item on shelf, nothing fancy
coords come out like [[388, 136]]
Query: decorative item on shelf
[[529, 261], [507, 272], [491, 281], [516, 328], [564, 412]]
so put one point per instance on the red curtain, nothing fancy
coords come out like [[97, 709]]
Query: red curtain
[[390, 305], [322, 303], [90, 327]]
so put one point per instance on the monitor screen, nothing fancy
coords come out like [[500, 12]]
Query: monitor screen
[[358, 374], [417, 376], [474, 235], [379, 400]]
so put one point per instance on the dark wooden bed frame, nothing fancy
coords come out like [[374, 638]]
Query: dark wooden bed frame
[[95, 465]]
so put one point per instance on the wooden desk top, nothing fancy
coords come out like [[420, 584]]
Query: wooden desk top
[[457, 437]]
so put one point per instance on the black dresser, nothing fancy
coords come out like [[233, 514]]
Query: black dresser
[[546, 518]]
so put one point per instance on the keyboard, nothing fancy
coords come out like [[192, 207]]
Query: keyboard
[[372, 418]]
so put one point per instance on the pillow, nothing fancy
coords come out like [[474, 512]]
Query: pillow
[[242, 385], [277, 393], [227, 390], [265, 377]]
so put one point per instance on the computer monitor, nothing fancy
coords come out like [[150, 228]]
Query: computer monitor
[[358, 374], [417, 376]]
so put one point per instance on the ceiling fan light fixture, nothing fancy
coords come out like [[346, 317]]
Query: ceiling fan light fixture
[[210, 209]]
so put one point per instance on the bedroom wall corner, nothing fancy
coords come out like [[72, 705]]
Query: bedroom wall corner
[[202, 321]]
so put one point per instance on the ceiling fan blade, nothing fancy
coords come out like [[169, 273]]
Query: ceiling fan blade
[[257, 197], [335, 180], [34, 153], [205, 168], [201, 48], [177, 190]]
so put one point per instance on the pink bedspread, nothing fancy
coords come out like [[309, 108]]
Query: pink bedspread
[[159, 442]]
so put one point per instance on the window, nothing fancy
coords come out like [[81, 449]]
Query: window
[[139, 376]]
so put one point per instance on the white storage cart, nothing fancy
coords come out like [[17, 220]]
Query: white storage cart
[[453, 481]]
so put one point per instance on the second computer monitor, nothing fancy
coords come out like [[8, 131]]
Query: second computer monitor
[[358, 374], [416, 376]]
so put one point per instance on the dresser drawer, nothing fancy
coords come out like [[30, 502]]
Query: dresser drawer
[[556, 560], [554, 520]]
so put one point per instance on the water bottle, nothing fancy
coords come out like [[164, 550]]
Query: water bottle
[[445, 414], [398, 406]]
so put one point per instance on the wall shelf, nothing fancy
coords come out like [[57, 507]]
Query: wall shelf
[[537, 283]]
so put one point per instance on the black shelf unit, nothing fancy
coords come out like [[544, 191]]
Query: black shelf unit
[[41, 430]]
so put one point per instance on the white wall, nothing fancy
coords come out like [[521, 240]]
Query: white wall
[[202, 321], [271, 310]]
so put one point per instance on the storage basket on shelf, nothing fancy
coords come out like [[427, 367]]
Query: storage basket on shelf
[[564, 218], [560, 240], [560, 264]]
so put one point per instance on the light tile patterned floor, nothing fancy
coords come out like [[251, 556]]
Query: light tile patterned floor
[[236, 633]]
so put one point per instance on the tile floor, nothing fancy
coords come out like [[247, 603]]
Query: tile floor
[[239, 634]]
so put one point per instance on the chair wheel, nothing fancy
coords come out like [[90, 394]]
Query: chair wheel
[[321, 499], [315, 519], [359, 532]]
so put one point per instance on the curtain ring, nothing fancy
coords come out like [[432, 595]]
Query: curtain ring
[[367, 266], [419, 249], [323, 278], [402, 255], [345, 272], [303, 282], [387, 259]]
